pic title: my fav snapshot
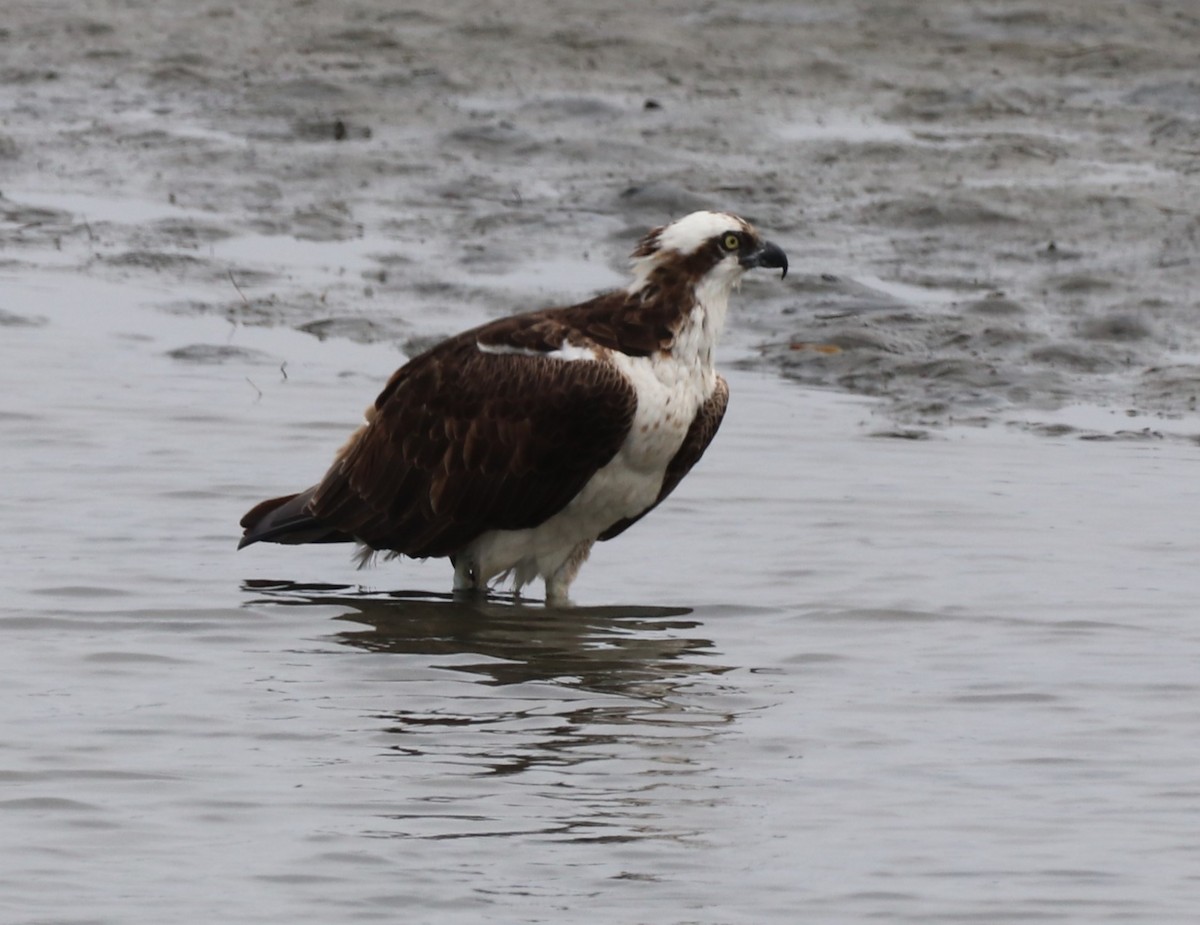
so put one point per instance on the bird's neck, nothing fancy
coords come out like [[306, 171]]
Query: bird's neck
[[701, 328], [693, 310]]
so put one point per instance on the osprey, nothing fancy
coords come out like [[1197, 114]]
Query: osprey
[[511, 448]]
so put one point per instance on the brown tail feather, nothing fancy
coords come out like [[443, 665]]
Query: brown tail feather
[[287, 520]]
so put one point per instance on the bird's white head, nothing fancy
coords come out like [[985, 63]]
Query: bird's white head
[[709, 250], [689, 268]]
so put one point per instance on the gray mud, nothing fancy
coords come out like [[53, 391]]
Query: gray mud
[[991, 208]]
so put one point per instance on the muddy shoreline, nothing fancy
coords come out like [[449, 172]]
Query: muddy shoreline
[[990, 208]]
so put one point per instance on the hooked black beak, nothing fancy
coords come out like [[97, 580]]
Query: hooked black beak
[[766, 255]]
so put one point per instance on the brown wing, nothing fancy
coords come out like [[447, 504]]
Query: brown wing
[[695, 442], [462, 441]]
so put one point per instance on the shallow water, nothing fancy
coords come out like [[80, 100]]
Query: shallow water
[[839, 677]]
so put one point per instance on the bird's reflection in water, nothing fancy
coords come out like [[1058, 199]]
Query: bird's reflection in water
[[626, 679], [632, 650]]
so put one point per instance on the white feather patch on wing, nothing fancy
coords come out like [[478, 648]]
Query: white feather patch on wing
[[568, 353]]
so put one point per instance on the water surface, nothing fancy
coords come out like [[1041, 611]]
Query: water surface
[[839, 677]]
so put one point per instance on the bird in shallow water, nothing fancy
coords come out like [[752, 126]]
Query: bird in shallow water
[[510, 449]]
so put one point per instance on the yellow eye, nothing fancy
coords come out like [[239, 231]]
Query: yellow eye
[[731, 242]]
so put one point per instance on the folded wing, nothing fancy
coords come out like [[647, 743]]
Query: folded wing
[[463, 440]]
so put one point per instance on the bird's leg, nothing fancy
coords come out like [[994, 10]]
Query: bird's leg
[[558, 584], [466, 574]]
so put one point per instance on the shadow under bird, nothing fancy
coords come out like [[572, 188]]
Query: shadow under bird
[[513, 447]]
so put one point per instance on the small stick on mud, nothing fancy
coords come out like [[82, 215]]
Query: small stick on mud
[[283, 370], [238, 288], [256, 388]]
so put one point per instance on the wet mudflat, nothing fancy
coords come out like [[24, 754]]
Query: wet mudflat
[[868, 663]]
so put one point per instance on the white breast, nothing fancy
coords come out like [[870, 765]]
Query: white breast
[[669, 395]]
